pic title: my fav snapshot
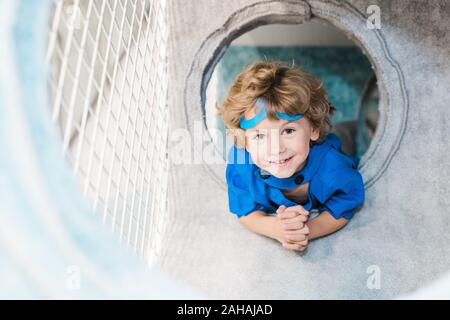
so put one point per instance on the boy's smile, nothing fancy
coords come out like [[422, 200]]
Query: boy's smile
[[280, 147]]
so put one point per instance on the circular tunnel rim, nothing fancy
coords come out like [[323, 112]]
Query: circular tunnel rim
[[390, 79]]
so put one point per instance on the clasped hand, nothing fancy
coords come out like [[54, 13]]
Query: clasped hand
[[292, 230]]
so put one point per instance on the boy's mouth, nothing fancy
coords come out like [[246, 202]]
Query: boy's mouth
[[281, 161]]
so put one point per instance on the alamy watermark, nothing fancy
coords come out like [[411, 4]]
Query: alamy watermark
[[374, 279], [73, 277], [374, 17], [74, 14]]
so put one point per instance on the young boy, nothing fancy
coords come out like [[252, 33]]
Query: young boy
[[285, 159]]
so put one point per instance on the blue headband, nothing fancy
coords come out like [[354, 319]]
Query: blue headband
[[261, 106]]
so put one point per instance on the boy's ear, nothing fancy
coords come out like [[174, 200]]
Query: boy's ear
[[315, 134]]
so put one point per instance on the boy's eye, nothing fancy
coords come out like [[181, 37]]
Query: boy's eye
[[259, 136], [289, 130]]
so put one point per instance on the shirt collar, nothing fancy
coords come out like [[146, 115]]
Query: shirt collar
[[310, 168]]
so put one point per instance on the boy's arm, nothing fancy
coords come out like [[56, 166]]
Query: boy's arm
[[324, 224], [262, 224]]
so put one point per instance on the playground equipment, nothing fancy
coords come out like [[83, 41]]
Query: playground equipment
[[87, 109]]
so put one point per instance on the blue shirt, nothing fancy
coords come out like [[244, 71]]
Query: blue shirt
[[335, 185]]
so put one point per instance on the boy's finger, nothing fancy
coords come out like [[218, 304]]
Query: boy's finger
[[298, 209], [294, 216], [281, 208], [293, 246], [298, 238], [303, 230], [284, 212], [300, 218], [287, 214], [293, 226]]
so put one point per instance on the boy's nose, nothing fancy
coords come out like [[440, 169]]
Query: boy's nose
[[275, 145]]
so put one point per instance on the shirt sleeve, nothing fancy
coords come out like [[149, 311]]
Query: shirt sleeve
[[240, 200], [344, 193]]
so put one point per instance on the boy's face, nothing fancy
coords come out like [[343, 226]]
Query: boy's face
[[280, 147]]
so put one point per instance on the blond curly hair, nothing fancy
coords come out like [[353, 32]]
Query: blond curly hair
[[287, 88]]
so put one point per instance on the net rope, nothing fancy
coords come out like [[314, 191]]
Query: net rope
[[108, 88]]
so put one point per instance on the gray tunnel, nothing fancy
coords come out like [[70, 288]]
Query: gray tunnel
[[401, 232]]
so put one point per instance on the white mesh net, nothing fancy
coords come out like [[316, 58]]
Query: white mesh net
[[108, 85]]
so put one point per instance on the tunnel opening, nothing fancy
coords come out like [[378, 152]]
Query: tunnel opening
[[319, 49], [388, 85]]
